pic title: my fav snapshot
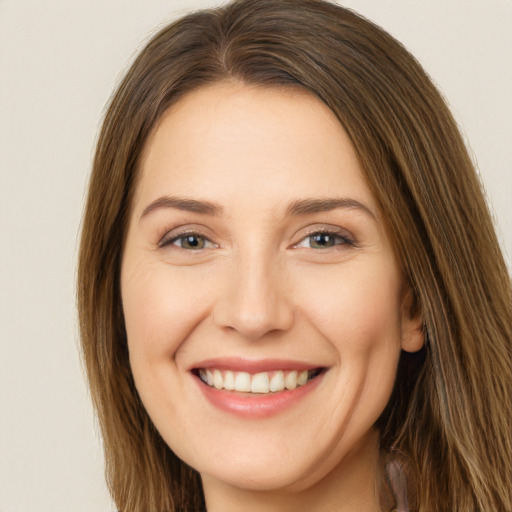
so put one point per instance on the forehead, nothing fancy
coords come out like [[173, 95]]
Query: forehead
[[230, 139]]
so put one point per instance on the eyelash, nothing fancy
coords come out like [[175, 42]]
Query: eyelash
[[165, 242], [336, 236], [345, 240]]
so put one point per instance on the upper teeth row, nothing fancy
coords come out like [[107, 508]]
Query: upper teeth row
[[258, 383]]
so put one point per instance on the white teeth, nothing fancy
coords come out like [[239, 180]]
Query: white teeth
[[260, 383], [290, 381], [229, 381], [243, 382], [277, 381], [302, 378], [263, 382], [218, 381]]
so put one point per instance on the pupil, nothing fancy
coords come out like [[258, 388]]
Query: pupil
[[322, 240], [192, 241]]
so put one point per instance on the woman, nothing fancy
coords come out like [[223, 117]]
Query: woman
[[291, 294]]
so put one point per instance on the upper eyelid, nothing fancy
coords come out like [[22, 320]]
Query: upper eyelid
[[348, 240], [334, 231], [170, 236], [181, 231], [328, 229]]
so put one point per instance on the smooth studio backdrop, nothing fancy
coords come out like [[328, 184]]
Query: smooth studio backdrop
[[59, 62]]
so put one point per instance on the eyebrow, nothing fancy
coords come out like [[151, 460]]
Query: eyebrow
[[183, 203], [298, 207], [308, 206]]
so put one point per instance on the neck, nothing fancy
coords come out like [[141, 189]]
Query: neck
[[353, 485]]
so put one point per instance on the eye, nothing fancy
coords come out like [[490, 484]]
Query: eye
[[324, 240], [188, 241]]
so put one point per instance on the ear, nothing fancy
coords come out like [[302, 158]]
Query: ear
[[412, 336]]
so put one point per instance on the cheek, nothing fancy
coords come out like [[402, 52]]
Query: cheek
[[358, 313], [357, 310], [161, 307]]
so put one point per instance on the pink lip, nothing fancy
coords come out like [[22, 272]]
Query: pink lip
[[238, 364], [254, 406]]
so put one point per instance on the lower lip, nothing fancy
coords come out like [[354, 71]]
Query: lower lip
[[254, 405]]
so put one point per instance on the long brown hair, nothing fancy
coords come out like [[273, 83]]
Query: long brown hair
[[449, 416]]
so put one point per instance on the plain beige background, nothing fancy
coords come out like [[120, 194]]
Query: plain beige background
[[59, 61]]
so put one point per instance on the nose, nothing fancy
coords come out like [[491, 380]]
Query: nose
[[255, 301]]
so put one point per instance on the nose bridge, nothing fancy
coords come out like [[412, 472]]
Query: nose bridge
[[256, 300]]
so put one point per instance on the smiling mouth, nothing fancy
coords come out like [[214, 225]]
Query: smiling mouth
[[260, 383]]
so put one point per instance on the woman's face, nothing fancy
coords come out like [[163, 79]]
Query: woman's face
[[256, 260]]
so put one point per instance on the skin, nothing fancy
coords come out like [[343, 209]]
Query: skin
[[260, 288]]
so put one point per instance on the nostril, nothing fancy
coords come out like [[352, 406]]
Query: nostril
[[254, 303]]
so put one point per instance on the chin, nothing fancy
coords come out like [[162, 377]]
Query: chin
[[262, 476]]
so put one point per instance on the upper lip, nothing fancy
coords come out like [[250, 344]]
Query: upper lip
[[238, 364]]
